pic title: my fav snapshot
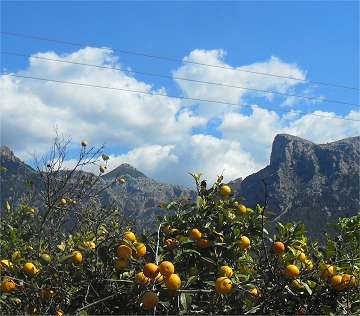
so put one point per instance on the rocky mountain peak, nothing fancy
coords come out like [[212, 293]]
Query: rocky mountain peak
[[6, 153], [122, 170], [284, 145]]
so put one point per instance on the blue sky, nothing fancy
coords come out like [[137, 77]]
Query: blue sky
[[317, 39]]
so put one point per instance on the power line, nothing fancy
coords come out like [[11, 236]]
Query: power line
[[179, 78], [171, 96], [129, 52]]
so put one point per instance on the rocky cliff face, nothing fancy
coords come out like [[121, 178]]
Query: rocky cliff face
[[314, 184]]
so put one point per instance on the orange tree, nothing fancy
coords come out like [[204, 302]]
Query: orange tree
[[211, 256]]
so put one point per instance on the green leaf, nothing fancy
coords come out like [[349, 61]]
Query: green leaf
[[307, 288]]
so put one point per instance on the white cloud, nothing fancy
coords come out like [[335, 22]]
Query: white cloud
[[159, 131], [31, 109], [232, 76]]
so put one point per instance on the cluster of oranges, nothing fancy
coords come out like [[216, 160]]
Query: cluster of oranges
[[130, 247], [157, 274], [338, 281]]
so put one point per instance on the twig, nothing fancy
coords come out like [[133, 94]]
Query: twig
[[96, 302]]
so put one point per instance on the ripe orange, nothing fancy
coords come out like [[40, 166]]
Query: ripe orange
[[278, 247], [130, 236], [195, 234], [292, 270], [327, 271], [254, 291], [203, 243], [123, 251], [336, 282], [225, 190], [30, 269], [226, 271], [166, 268], [151, 270], [302, 257], [244, 242], [173, 282], [223, 285], [77, 257], [346, 279], [150, 300], [121, 264], [141, 278], [242, 209], [140, 249], [8, 285]]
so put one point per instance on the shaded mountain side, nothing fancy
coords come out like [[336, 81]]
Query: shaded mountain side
[[306, 182], [139, 197]]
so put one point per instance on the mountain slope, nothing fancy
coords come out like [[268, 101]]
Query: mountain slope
[[314, 184]]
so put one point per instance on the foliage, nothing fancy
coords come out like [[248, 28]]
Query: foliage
[[103, 280]]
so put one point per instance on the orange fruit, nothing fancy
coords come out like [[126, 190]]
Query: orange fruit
[[336, 282], [242, 209], [63, 201], [254, 291], [203, 243], [121, 264], [130, 236], [123, 251], [244, 242], [346, 279], [151, 270], [223, 285], [8, 285], [327, 271], [45, 258], [309, 264], [140, 249], [166, 268], [173, 282], [141, 278], [195, 234], [292, 270], [30, 269], [225, 190], [150, 300], [302, 257], [226, 271], [278, 247], [77, 257]]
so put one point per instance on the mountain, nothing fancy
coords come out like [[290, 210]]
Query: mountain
[[139, 197], [306, 182]]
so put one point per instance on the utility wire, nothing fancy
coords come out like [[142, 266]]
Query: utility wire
[[129, 52], [171, 96], [178, 78]]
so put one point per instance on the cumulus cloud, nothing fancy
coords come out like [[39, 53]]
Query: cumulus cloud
[[163, 137], [31, 109], [235, 76]]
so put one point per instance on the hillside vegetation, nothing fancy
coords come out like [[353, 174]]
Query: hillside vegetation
[[213, 255]]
